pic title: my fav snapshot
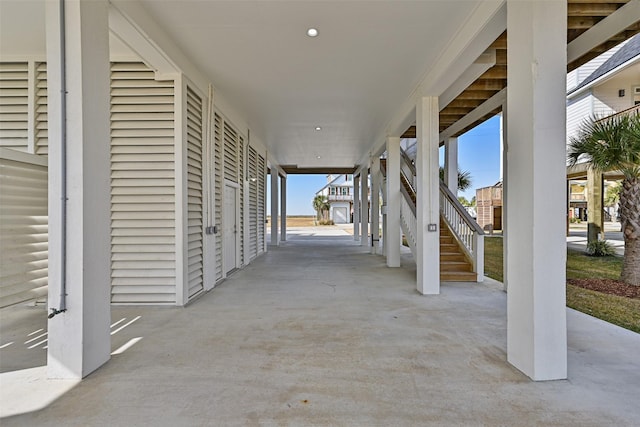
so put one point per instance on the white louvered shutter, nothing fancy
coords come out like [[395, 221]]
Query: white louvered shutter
[[252, 163], [14, 105], [23, 228], [194, 188], [143, 260], [218, 192], [41, 133], [241, 196], [261, 175]]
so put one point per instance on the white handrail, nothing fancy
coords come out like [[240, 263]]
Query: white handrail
[[464, 228], [409, 224]]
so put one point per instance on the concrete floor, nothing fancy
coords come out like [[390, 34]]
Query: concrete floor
[[319, 332]]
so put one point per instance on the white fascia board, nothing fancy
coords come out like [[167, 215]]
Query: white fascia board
[[613, 24], [486, 107], [483, 27], [485, 61], [135, 28], [485, 24], [603, 78]]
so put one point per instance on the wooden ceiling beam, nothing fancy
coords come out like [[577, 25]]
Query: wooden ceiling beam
[[582, 22], [591, 9], [495, 72], [476, 94], [488, 84]]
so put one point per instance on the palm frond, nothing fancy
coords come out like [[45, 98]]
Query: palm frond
[[608, 144]]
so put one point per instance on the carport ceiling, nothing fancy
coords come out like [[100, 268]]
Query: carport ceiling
[[581, 16]]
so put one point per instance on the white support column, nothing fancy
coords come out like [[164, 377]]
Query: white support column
[[393, 238], [504, 166], [364, 206], [451, 164], [79, 338], [274, 206], [427, 196], [283, 208], [536, 311], [356, 208], [375, 204]]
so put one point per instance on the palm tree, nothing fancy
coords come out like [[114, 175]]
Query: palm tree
[[609, 144], [321, 206], [464, 179]]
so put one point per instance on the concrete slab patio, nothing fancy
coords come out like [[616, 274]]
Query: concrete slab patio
[[320, 332]]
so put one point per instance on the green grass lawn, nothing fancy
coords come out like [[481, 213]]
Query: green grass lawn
[[620, 311]]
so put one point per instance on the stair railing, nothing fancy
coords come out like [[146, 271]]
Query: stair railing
[[464, 228], [409, 223]]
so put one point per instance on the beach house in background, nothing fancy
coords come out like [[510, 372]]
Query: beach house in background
[[339, 192], [606, 85]]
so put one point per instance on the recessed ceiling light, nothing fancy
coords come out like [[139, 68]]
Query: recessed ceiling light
[[318, 128], [318, 157], [312, 32]]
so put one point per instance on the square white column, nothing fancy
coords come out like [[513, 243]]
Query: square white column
[[536, 155], [356, 208], [393, 238], [451, 164], [283, 208], [274, 206], [364, 207], [427, 197], [79, 338], [375, 205]]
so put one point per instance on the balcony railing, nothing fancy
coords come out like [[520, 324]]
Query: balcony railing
[[340, 197]]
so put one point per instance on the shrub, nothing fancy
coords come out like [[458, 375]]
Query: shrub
[[575, 220], [600, 248], [326, 222]]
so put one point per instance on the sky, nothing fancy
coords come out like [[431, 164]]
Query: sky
[[478, 152]]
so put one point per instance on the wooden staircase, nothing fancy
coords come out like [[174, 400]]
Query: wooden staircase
[[454, 265]]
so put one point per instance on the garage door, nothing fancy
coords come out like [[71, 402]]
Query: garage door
[[340, 215]]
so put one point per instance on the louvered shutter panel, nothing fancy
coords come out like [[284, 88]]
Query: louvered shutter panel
[[41, 133], [194, 188], [143, 256], [261, 175], [230, 153], [252, 163], [14, 105], [241, 196], [23, 229], [219, 188]]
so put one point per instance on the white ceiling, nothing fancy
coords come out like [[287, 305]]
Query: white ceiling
[[350, 80]]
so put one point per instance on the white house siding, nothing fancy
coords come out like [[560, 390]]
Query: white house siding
[[23, 226], [578, 108], [143, 259], [606, 96]]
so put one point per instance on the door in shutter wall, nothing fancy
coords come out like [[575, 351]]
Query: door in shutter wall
[[143, 250], [194, 196]]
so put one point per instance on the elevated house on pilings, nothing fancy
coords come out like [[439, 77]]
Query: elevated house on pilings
[[605, 86], [136, 139]]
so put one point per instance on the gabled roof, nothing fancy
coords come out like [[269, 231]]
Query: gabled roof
[[626, 53]]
